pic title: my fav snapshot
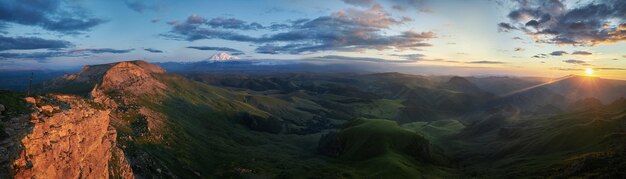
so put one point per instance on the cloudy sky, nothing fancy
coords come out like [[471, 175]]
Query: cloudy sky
[[480, 37]]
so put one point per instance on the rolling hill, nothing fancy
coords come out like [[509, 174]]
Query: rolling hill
[[346, 125]]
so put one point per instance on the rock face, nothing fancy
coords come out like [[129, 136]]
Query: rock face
[[134, 76], [75, 140]]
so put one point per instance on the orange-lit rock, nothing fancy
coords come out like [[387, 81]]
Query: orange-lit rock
[[74, 143]]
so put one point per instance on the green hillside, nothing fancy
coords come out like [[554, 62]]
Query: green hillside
[[386, 125]]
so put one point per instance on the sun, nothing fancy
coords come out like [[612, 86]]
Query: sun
[[589, 71]]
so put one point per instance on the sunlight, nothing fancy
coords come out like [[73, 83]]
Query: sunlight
[[589, 72]]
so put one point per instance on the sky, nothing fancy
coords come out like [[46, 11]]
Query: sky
[[548, 38]]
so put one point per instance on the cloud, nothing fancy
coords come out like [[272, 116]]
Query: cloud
[[567, 69], [232, 23], [415, 56], [505, 27], [518, 49], [69, 53], [362, 3], [422, 58], [155, 20], [225, 49], [366, 59], [540, 56], [140, 6], [101, 50], [153, 50], [581, 53], [573, 61], [552, 21], [558, 53], [52, 15], [400, 5], [345, 30], [31, 43], [609, 69], [485, 62]]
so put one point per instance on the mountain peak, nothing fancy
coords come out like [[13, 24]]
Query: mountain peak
[[459, 80], [222, 56], [136, 77]]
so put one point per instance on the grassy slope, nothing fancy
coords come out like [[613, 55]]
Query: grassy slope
[[204, 138], [13, 102], [14, 105], [544, 146], [382, 149]]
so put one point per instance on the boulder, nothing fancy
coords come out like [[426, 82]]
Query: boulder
[[30, 100], [47, 109], [2, 108]]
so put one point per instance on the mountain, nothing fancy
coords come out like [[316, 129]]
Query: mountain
[[212, 124], [562, 92], [504, 85], [221, 57]]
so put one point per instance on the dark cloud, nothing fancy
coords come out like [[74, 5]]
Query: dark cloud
[[31, 43], [153, 50], [540, 56], [558, 53], [346, 30], [155, 20], [551, 21], [505, 27], [232, 23], [573, 61], [101, 50], [517, 38], [140, 6], [70, 53], [48, 14], [225, 49], [609, 69], [486, 62], [518, 49], [72, 25], [581, 53]]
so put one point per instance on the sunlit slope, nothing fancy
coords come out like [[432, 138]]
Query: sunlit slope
[[380, 148], [547, 146]]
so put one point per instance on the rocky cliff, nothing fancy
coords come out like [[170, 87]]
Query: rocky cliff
[[65, 136]]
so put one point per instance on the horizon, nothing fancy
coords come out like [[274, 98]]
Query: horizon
[[464, 38], [76, 69]]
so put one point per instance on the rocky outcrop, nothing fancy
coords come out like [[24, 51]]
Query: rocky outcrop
[[68, 137], [134, 77]]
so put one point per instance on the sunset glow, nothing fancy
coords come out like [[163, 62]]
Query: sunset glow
[[589, 72]]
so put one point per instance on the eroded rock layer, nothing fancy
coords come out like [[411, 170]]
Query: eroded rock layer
[[70, 138]]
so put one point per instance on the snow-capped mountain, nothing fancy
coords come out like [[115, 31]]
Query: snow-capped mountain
[[222, 56]]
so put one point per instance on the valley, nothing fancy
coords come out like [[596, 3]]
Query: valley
[[325, 125]]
